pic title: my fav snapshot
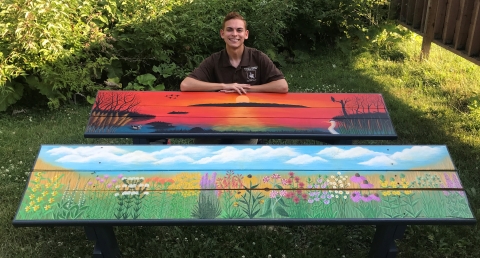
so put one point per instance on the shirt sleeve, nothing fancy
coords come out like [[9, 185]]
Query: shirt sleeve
[[205, 71], [270, 71]]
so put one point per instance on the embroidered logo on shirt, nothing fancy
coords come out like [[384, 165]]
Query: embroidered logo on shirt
[[251, 73]]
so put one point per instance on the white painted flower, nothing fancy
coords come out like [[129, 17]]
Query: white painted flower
[[124, 185], [340, 192], [345, 197], [342, 185], [146, 185], [347, 192], [146, 193], [126, 193], [339, 173], [117, 194], [336, 196]]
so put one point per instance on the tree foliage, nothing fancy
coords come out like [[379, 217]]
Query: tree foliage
[[64, 48]]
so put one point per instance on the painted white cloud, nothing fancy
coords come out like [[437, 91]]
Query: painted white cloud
[[355, 152], [175, 159], [179, 150], [416, 152], [379, 161], [84, 151], [229, 154], [304, 159], [132, 157]]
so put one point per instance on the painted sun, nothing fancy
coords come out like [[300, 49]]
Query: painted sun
[[242, 99]]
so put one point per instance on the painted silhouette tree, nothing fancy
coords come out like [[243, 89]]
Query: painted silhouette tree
[[343, 102], [111, 110]]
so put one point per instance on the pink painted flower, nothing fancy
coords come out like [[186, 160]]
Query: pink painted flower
[[285, 182], [366, 198], [357, 178], [114, 180], [375, 197], [273, 194], [90, 183], [120, 176], [305, 196], [365, 184], [105, 176], [283, 193], [275, 176], [102, 181], [291, 174], [109, 185], [297, 179], [301, 184], [97, 178], [355, 196], [319, 180], [266, 179], [296, 199]]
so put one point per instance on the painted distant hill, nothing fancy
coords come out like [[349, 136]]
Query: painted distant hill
[[178, 112], [249, 104]]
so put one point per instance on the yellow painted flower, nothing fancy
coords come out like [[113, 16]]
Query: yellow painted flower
[[55, 178], [393, 183], [396, 193], [27, 209], [386, 193], [407, 192], [45, 193], [404, 185], [261, 201], [51, 200], [31, 196], [34, 189], [54, 193], [56, 185], [384, 184], [47, 207], [47, 185], [32, 203], [404, 180], [235, 204], [36, 180], [36, 207], [39, 198]]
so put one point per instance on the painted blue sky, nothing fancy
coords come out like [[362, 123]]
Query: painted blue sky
[[241, 157]]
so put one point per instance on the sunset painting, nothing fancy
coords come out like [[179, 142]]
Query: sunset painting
[[241, 182], [129, 112]]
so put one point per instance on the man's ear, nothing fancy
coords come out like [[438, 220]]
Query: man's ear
[[221, 33], [246, 34]]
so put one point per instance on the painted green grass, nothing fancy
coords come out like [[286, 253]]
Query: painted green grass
[[427, 102]]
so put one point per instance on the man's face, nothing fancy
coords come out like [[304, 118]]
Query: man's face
[[234, 33]]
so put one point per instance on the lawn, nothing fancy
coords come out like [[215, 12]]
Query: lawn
[[429, 104]]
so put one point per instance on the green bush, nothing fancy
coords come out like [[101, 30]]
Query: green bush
[[67, 48]]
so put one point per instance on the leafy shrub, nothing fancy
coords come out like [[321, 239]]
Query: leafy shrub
[[65, 48]]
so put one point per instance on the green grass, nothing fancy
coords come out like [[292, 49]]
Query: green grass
[[427, 102]]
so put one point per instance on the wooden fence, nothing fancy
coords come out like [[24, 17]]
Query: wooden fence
[[452, 24]]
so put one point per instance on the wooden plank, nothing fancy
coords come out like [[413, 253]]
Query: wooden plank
[[450, 21], [424, 16], [365, 111], [157, 184], [417, 14], [394, 9], [410, 11], [440, 19], [429, 28], [473, 41], [403, 10], [463, 24], [189, 127], [130, 101]]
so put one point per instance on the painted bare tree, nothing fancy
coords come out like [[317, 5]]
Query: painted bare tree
[[111, 110]]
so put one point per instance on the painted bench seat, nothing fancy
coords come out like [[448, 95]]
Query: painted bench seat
[[113, 185], [333, 117]]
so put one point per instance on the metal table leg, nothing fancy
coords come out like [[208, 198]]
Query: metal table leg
[[383, 245], [106, 245]]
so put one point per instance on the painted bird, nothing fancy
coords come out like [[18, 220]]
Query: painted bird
[[331, 129]]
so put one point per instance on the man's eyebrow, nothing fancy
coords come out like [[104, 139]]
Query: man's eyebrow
[[241, 28]]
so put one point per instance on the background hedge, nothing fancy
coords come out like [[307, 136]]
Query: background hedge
[[64, 49]]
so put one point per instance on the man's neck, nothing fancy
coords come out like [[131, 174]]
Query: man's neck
[[235, 55]]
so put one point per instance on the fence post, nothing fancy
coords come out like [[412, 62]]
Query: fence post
[[429, 29]]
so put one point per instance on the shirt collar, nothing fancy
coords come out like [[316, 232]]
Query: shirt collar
[[245, 58]]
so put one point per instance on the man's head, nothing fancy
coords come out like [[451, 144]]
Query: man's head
[[233, 15], [234, 30]]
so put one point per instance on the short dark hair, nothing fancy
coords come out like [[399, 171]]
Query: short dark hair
[[233, 15]]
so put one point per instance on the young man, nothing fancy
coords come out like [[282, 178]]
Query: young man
[[237, 68]]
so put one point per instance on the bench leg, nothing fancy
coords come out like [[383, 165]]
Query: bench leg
[[383, 245], [140, 141], [337, 142], [105, 242]]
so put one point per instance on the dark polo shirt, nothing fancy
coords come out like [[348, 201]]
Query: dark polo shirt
[[254, 69]]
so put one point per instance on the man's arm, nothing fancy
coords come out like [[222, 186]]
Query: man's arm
[[190, 84], [278, 86]]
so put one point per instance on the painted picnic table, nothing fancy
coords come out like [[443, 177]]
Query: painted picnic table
[[335, 117], [103, 186]]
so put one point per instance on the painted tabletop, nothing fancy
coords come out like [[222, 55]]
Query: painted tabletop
[[162, 184], [173, 114]]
